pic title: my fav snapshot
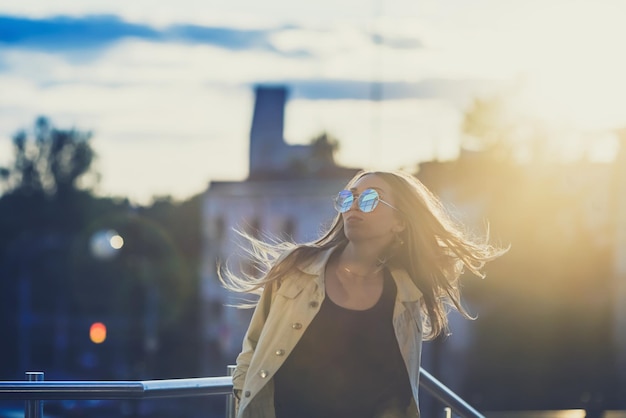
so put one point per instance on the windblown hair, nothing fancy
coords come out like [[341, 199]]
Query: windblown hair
[[436, 251]]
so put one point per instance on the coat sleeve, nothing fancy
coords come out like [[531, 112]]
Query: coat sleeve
[[252, 336]]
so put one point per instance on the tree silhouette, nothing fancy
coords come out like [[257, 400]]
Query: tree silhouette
[[487, 126], [48, 271], [49, 161], [324, 147]]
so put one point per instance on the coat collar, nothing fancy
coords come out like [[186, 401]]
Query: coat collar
[[317, 265], [407, 290]]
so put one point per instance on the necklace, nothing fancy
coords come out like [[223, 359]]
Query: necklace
[[362, 276]]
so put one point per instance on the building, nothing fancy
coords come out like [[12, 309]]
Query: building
[[287, 195]]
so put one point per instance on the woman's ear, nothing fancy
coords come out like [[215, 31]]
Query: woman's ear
[[399, 227]]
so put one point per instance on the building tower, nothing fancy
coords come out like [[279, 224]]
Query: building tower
[[267, 146]]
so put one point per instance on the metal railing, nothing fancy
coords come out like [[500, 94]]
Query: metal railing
[[34, 390]]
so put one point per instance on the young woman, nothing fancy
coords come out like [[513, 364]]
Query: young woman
[[338, 329]]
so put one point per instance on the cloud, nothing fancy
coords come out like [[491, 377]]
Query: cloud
[[397, 42], [457, 91], [60, 33], [66, 34], [225, 37]]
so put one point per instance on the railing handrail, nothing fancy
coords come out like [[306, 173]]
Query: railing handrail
[[82, 390], [447, 396], [202, 386]]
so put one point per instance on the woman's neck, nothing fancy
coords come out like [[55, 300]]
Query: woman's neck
[[359, 263]]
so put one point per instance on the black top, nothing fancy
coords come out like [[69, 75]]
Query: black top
[[346, 365]]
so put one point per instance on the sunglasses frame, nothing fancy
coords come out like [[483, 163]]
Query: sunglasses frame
[[357, 197]]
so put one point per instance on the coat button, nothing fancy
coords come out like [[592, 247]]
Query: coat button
[[280, 352], [247, 394], [314, 304], [263, 374], [296, 325]]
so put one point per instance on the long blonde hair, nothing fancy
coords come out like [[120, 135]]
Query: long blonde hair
[[435, 251]]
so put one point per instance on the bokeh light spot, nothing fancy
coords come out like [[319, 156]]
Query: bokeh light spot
[[105, 244], [97, 332], [116, 242]]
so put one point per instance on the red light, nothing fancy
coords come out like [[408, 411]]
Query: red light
[[97, 332]]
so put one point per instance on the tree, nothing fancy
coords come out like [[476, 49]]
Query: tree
[[48, 161], [488, 127], [50, 271], [323, 148], [319, 157]]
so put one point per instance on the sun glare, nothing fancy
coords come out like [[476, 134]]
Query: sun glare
[[572, 413], [575, 71]]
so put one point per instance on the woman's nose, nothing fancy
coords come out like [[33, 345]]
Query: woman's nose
[[355, 202]]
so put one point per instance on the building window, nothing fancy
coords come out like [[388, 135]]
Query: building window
[[254, 228], [289, 229], [249, 267], [219, 227]]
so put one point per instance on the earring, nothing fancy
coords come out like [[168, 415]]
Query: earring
[[393, 248], [398, 239]]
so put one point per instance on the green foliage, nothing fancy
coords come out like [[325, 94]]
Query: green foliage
[[319, 158], [324, 147], [48, 160], [144, 293]]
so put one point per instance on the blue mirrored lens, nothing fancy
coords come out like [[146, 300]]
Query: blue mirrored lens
[[368, 200], [343, 201]]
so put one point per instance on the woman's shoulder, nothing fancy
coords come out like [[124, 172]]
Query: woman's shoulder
[[307, 263], [313, 260]]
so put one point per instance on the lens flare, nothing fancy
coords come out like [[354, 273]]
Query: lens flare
[[105, 244], [116, 242], [97, 332]]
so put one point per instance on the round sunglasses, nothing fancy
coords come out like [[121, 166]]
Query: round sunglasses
[[367, 201]]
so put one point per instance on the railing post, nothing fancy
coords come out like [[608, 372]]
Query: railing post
[[230, 399], [34, 408]]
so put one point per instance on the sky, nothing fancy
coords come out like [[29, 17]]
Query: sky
[[166, 86]]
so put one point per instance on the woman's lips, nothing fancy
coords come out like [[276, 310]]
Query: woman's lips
[[353, 219]]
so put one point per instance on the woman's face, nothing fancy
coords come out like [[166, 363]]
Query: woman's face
[[379, 225]]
